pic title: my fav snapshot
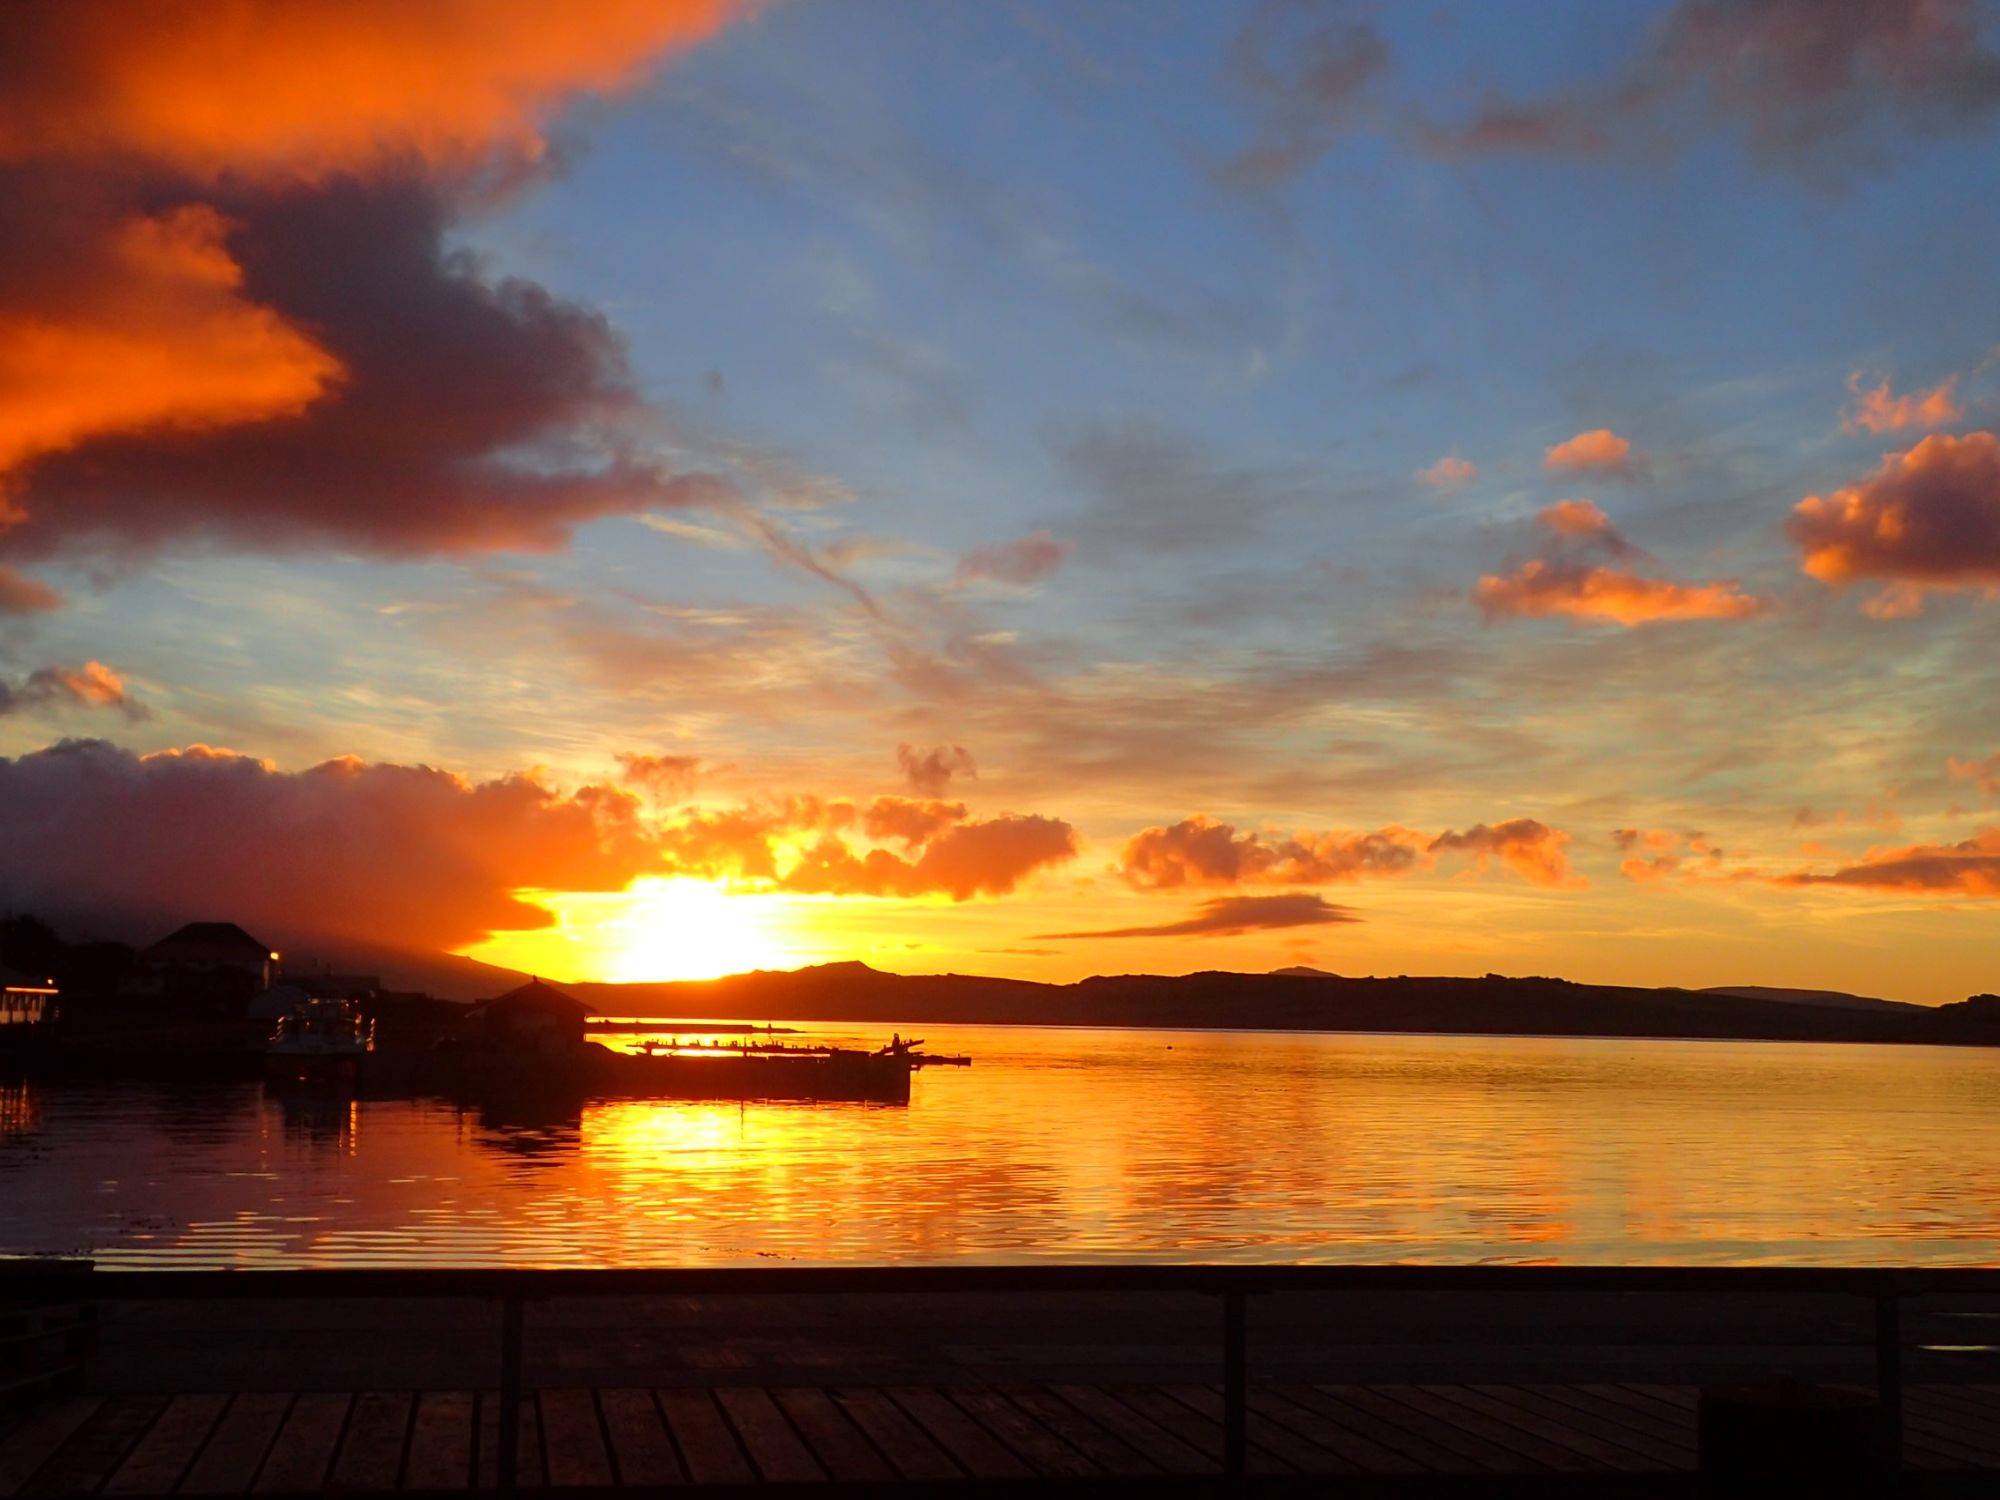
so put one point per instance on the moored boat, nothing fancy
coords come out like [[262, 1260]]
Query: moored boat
[[319, 1041]]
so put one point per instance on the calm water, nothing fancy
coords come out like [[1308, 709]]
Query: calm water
[[1071, 1145]]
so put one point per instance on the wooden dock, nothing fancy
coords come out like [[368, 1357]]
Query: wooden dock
[[1628, 1438]]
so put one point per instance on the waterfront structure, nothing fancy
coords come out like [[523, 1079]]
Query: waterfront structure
[[536, 1017], [205, 960], [25, 1001]]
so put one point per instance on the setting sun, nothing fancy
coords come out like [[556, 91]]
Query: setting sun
[[658, 929]]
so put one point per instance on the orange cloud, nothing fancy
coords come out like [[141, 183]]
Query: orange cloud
[[152, 330], [1877, 409], [1654, 854], [1925, 519], [1598, 451], [1984, 774], [1202, 851], [909, 821], [1618, 596], [1527, 846], [310, 86], [1449, 473], [987, 858], [228, 304], [1582, 518], [1232, 916], [92, 685], [1968, 868], [22, 595], [663, 775]]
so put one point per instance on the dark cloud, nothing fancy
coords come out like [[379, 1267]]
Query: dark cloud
[[1022, 562], [1968, 868], [1307, 68], [408, 855], [1154, 488], [1232, 916], [92, 685], [470, 414], [227, 307], [1201, 851], [1925, 519], [1813, 85], [22, 595], [663, 775], [930, 771]]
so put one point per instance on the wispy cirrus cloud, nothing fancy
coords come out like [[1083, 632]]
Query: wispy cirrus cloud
[[1820, 87]]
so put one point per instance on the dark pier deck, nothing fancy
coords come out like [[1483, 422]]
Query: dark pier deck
[[1625, 1435], [1404, 1381]]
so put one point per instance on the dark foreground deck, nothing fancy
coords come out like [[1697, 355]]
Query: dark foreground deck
[[1600, 1438]]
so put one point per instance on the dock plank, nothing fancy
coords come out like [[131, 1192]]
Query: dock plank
[[641, 1447], [441, 1438], [1443, 1402], [707, 1443], [908, 1448], [767, 1436], [303, 1450], [573, 1439], [842, 1448], [977, 1451], [370, 1459], [1669, 1445], [1194, 1414], [1107, 1450], [170, 1448], [1360, 1454], [1558, 1423], [34, 1441], [229, 1461], [1161, 1447], [1043, 1451], [95, 1450], [1454, 1449]]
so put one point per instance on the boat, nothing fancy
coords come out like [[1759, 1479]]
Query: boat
[[319, 1041]]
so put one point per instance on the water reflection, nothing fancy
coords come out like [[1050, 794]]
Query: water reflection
[[1062, 1144]]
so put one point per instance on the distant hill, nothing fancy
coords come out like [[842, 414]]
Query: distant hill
[[1293, 1001], [1306, 971], [1839, 999]]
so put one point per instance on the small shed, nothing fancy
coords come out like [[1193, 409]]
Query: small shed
[[535, 1017]]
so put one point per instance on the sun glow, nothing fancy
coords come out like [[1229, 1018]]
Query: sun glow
[[656, 929]]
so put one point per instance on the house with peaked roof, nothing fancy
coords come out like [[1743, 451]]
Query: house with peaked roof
[[534, 1017], [206, 959]]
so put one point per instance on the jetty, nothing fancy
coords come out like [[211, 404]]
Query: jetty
[[1217, 1380]]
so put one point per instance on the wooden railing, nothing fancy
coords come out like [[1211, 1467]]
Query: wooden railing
[[510, 1290]]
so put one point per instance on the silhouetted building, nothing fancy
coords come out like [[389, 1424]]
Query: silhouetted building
[[25, 1001], [205, 960], [535, 1017]]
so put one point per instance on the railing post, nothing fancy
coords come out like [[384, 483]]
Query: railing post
[[1235, 1385], [509, 1456], [1889, 1377]]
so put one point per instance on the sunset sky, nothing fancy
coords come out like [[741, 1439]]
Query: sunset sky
[[635, 489]]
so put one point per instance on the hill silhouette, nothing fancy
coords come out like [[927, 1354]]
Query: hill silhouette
[[1494, 1006]]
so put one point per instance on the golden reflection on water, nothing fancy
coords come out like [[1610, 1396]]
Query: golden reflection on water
[[1075, 1145]]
